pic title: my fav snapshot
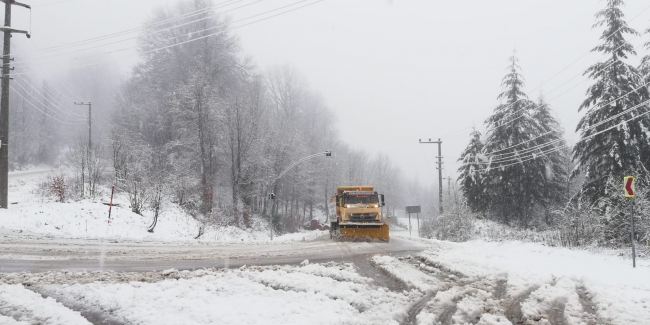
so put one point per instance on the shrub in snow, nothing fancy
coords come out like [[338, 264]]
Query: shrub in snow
[[578, 224], [457, 224], [58, 187]]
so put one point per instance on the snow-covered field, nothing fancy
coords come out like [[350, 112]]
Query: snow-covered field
[[88, 218]]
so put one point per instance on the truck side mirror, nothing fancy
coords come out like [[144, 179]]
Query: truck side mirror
[[381, 199]]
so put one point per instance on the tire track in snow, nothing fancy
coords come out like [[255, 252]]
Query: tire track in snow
[[445, 317], [417, 307], [513, 310], [93, 316], [457, 279], [556, 314], [588, 306], [366, 268], [501, 287]]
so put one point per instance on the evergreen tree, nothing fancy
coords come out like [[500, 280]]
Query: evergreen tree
[[611, 148], [551, 143], [513, 175], [644, 71], [470, 173]]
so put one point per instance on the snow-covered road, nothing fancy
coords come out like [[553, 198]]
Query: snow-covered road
[[20, 251], [406, 281]]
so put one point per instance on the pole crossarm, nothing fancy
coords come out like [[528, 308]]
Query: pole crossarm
[[12, 30], [17, 3]]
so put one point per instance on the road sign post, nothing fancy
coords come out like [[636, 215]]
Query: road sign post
[[409, 225], [628, 189], [413, 209]]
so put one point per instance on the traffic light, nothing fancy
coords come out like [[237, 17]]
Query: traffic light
[[328, 154], [271, 196]]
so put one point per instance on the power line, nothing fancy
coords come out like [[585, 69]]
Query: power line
[[38, 109], [532, 103], [599, 123], [587, 53], [132, 30], [583, 139], [70, 118], [198, 12], [176, 44], [45, 90], [50, 3]]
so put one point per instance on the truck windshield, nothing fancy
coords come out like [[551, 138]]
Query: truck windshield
[[362, 199]]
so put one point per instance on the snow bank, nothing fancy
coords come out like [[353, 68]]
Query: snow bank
[[254, 295], [22, 306], [621, 293]]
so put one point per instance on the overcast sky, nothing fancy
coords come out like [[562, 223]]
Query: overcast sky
[[393, 71]]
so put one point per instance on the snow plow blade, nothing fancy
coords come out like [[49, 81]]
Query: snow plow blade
[[378, 231]]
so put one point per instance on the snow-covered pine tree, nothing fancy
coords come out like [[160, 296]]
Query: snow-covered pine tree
[[644, 71], [609, 146], [551, 143], [470, 175], [514, 175]]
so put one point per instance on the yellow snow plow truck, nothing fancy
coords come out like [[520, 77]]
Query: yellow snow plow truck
[[355, 212]]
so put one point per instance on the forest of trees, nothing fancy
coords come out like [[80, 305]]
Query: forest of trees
[[522, 172], [200, 126]]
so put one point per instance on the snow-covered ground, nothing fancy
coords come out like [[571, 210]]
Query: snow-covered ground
[[330, 293], [88, 218], [590, 288], [448, 283], [477, 282]]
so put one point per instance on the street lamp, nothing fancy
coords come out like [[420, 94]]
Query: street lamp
[[293, 165]]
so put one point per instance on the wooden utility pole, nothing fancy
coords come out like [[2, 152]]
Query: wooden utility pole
[[439, 162], [4, 101], [90, 139]]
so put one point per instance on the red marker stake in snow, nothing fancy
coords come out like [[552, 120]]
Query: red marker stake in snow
[[628, 188]]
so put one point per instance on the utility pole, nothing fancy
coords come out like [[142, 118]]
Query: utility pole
[[89, 123], [4, 101], [448, 187], [439, 162]]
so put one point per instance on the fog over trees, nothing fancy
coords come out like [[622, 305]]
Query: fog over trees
[[199, 125]]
